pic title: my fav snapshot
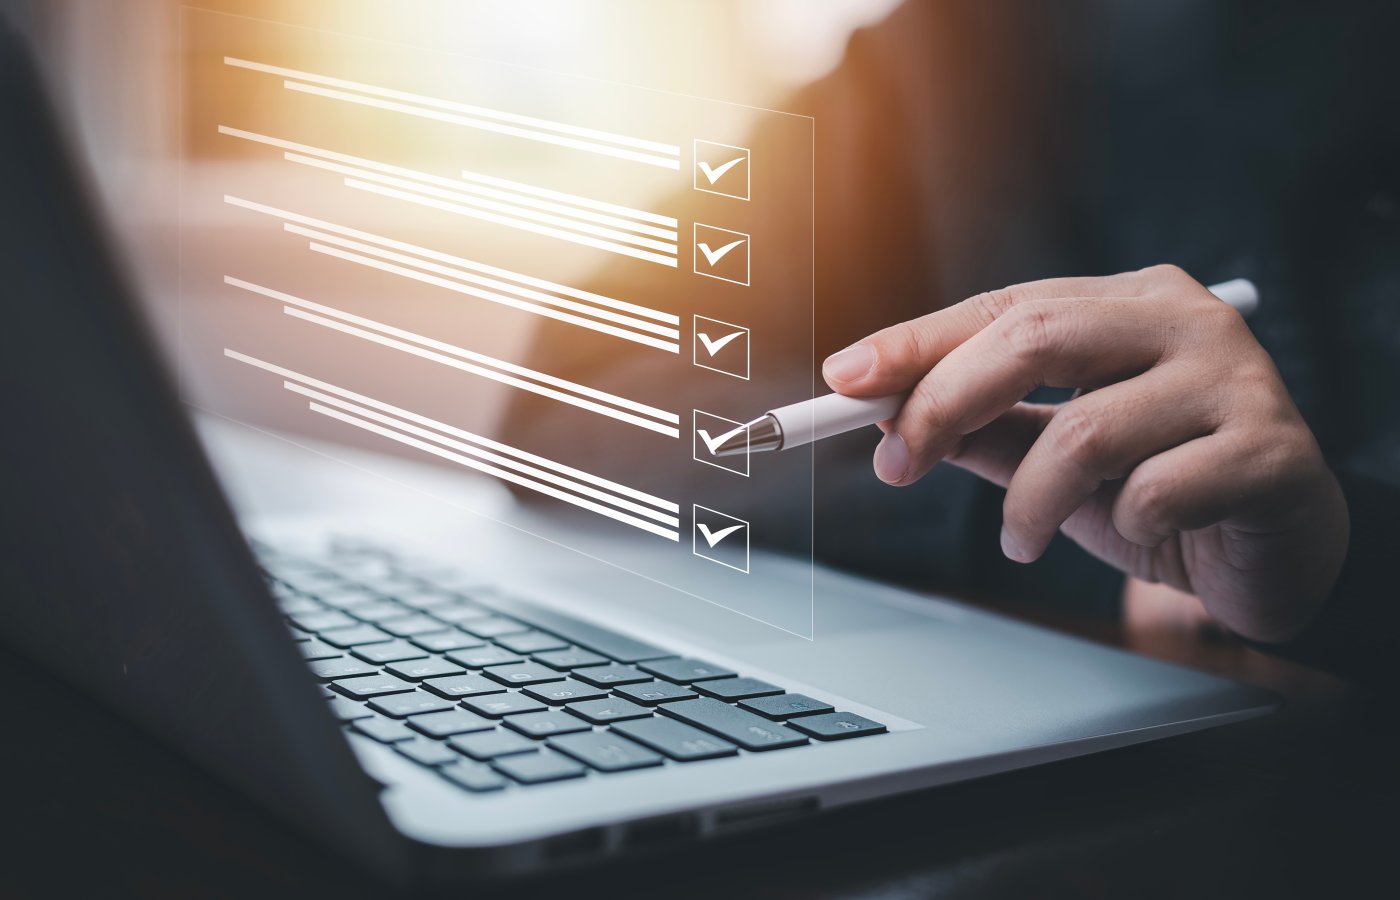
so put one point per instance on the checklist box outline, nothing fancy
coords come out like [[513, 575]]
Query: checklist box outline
[[695, 254], [695, 526], [695, 441], [695, 169], [695, 350]]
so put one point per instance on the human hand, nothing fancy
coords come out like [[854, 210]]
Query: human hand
[[1182, 460]]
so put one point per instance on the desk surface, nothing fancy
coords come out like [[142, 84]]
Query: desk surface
[[1282, 806]]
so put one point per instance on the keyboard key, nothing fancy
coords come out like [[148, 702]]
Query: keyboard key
[[366, 686], [377, 611], [570, 659], [605, 751], [442, 641], [401, 705], [565, 691], [424, 598], [785, 706], [385, 731], [535, 768], [491, 744], [459, 613], [684, 671], [314, 649], [429, 753], [497, 705], [543, 724], [348, 710], [449, 722], [608, 676], [481, 657], [738, 725], [494, 626], [531, 642], [676, 739], [347, 597], [295, 605], [465, 685], [612, 709], [326, 691], [343, 667], [602, 640], [651, 693], [318, 621], [736, 688], [354, 636], [836, 726], [522, 673], [407, 626], [472, 776], [418, 669], [393, 651]]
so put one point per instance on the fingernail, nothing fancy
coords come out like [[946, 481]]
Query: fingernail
[[1011, 547], [849, 364], [892, 458]]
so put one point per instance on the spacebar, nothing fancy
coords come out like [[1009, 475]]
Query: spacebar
[[600, 640]]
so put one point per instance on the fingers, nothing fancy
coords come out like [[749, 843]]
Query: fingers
[[1060, 342], [895, 358], [1092, 439]]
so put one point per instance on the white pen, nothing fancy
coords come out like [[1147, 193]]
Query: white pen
[[812, 420]]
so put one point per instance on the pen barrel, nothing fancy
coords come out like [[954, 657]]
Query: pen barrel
[[832, 414]]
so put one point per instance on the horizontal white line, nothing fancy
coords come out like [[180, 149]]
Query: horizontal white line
[[448, 258], [531, 121], [667, 505], [505, 287], [499, 473], [515, 186], [572, 237], [559, 213], [436, 281], [511, 209], [495, 458], [478, 360], [542, 137]]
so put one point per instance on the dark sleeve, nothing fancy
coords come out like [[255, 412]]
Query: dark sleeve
[[1355, 633]]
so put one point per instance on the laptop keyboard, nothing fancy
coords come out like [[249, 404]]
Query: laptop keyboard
[[419, 662]]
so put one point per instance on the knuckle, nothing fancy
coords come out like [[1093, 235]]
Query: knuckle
[[1078, 433], [1169, 272], [1144, 508], [1026, 330], [992, 305]]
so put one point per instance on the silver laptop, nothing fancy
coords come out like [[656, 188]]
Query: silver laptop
[[400, 664]]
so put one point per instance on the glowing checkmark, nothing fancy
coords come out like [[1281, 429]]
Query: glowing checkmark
[[713, 346], [714, 174], [712, 443], [714, 537], [714, 256]]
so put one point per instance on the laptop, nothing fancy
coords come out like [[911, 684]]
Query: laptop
[[443, 720]]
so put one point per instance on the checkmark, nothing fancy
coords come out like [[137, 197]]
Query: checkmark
[[714, 537], [714, 346], [714, 174], [714, 256], [712, 443]]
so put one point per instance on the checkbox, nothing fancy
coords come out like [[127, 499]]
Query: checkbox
[[721, 253], [708, 431], [722, 169], [720, 538], [721, 347]]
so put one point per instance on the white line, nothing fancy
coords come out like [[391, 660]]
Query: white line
[[497, 459], [515, 200], [562, 128], [483, 125], [416, 275], [550, 286], [517, 187], [463, 353], [527, 293], [667, 505], [477, 202], [572, 237], [499, 473]]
